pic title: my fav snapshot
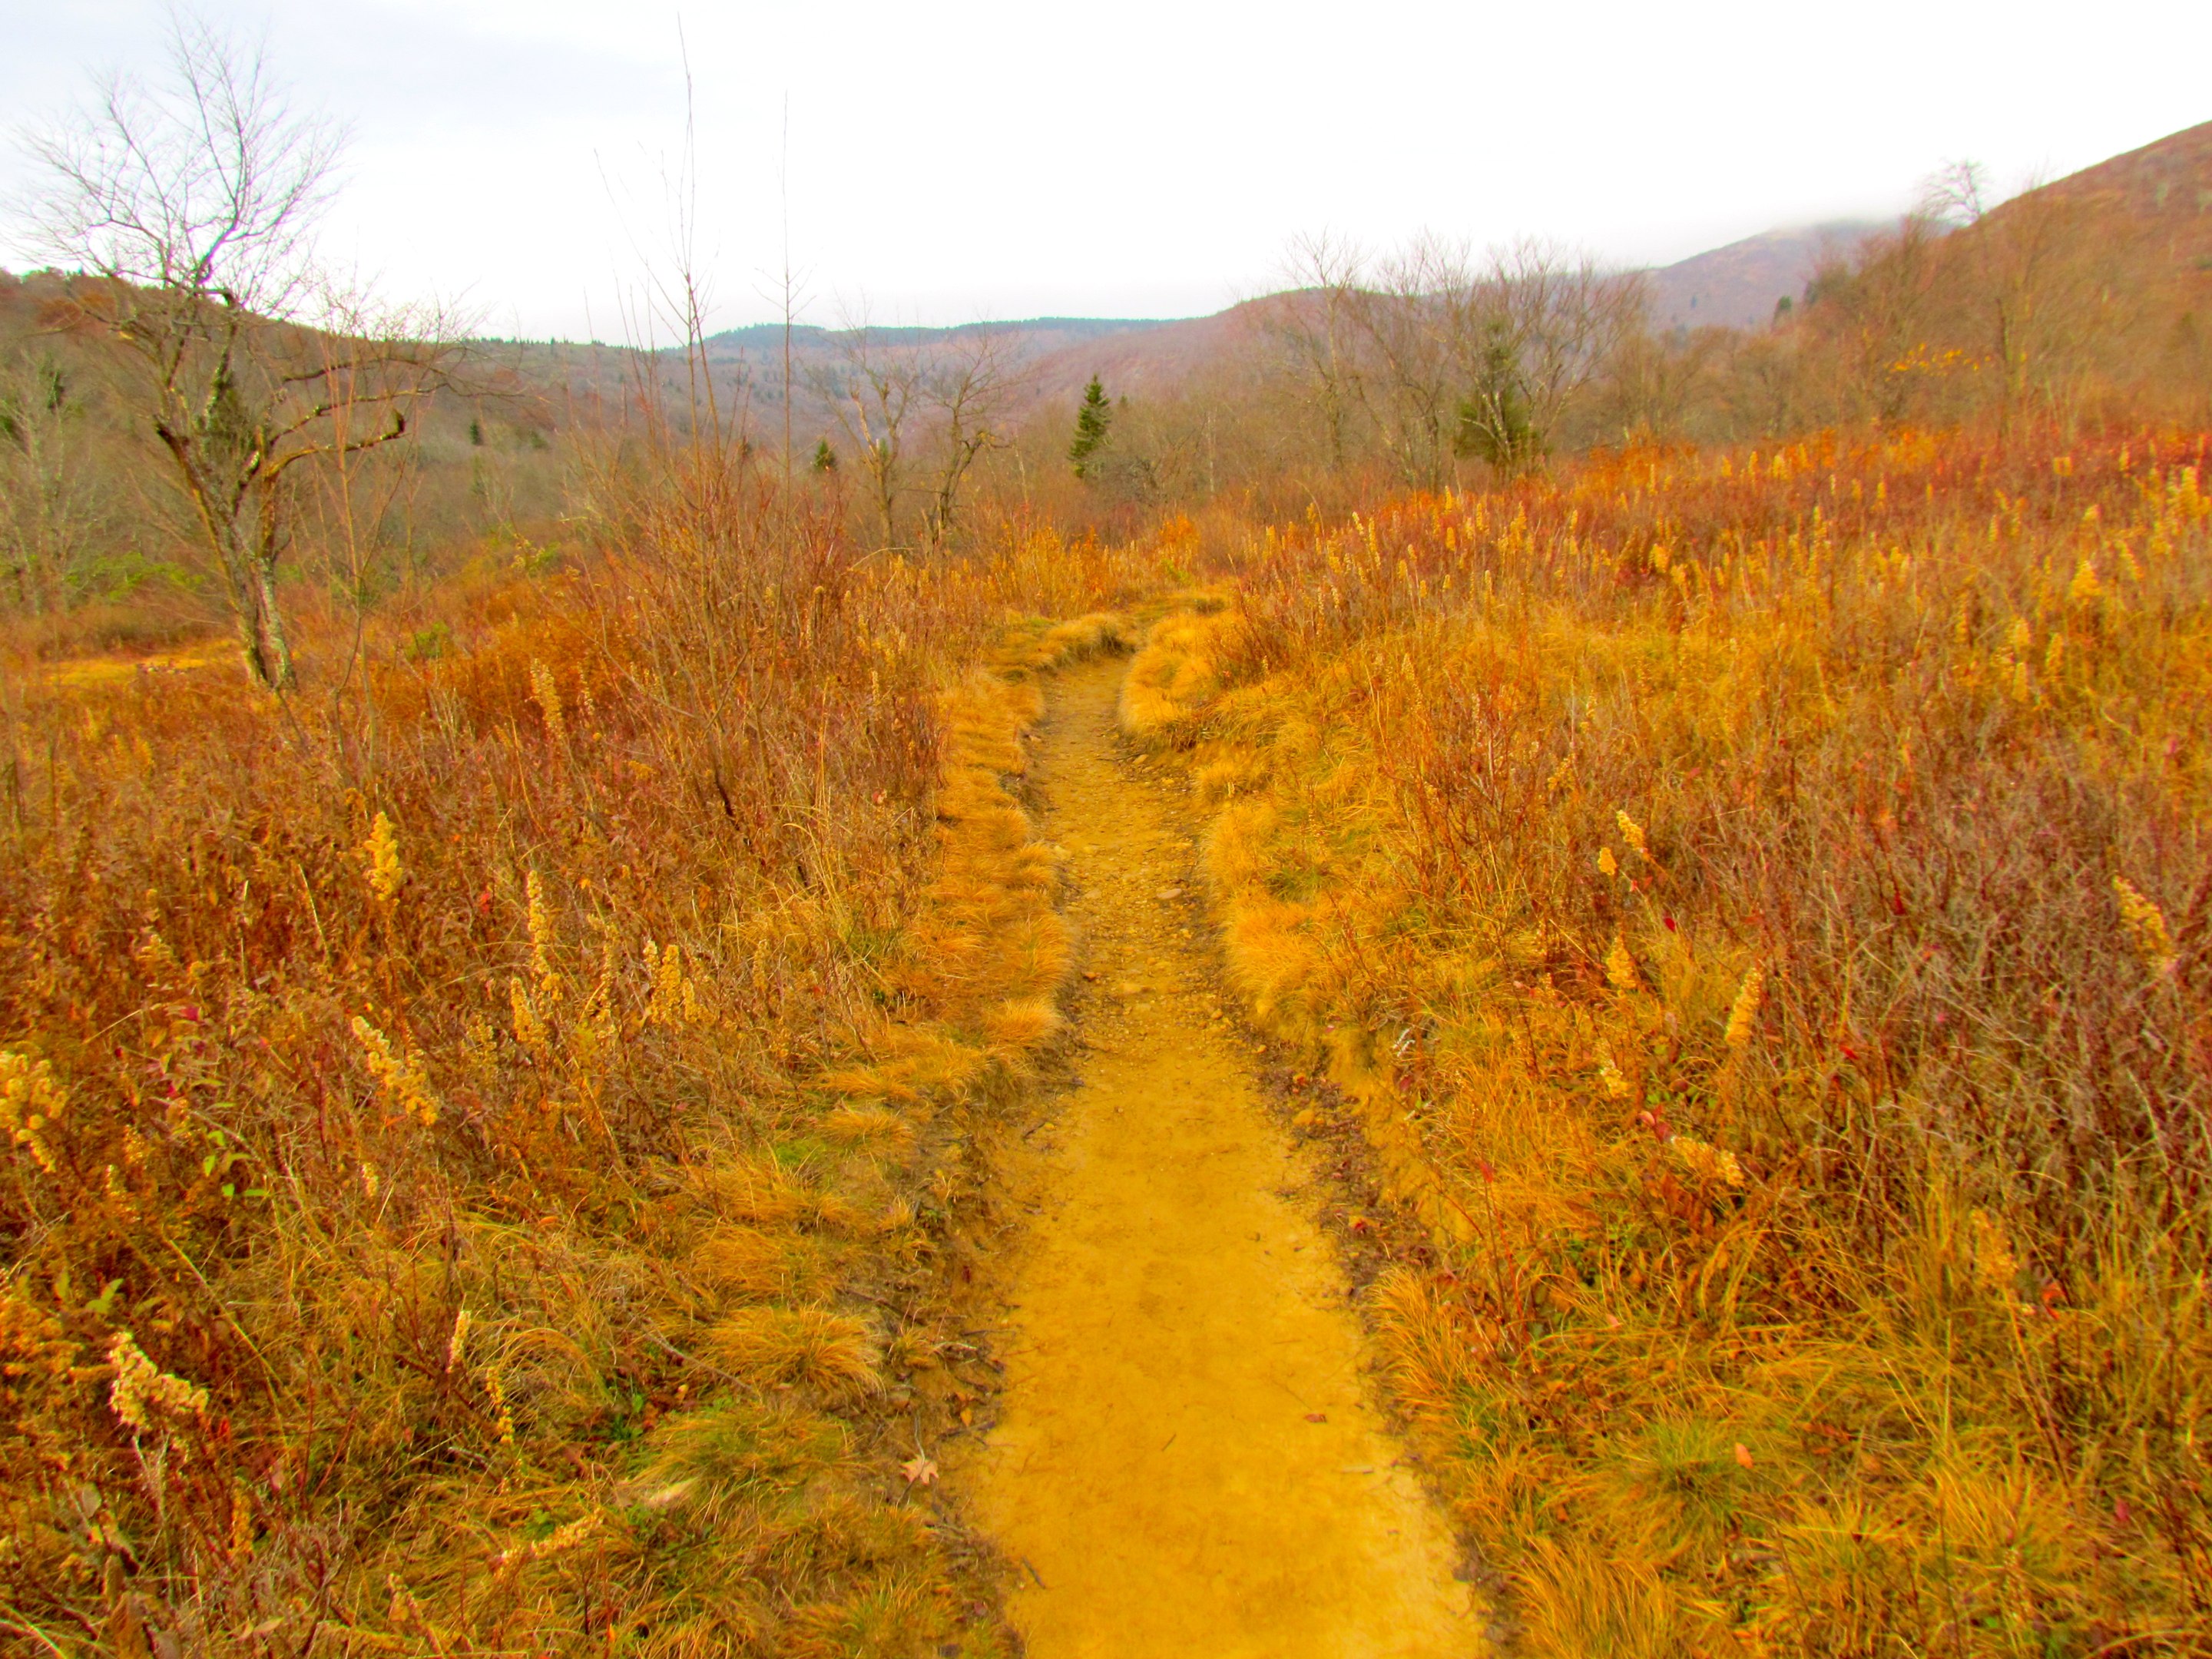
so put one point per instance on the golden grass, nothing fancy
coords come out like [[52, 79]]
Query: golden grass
[[773, 1347], [490, 1117], [1754, 906]]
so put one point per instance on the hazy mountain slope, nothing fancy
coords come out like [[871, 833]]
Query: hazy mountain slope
[[2165, 187], [760, 344], [1738, 286]]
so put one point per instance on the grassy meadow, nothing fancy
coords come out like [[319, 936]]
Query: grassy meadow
[[1755, 904], [485, 1136], [520, 922]]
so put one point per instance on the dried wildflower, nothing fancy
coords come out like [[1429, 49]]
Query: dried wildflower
[[1995, 1264], [369, 1182], [529, 1026], [2085, 590], [478, 1045], [142, 1390], [541, 940], [1616, 1086], [1608, 866], [381, 851], [665, 969], [1713, 1165], [501, 1414], [153, 955], [457, 1344], [32, 1105], [2146, 926], [1633, 833], [241, 1521], [548, 694], [398, 1072], [1621, 967], [1744, 1016], [574, 1533]]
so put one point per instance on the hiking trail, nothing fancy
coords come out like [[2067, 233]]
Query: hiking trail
[[1188, 1462]]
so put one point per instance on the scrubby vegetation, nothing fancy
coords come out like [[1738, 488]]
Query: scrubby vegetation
[[491, 1095], [1756, 903], [483, 1146]]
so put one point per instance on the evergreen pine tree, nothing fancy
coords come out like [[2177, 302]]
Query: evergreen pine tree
[[825, 459], [1092, 420]]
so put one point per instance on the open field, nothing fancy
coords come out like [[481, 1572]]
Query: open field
[[1443, 965]]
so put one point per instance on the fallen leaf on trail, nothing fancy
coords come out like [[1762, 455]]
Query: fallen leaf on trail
[[1316, 1417], [1743, 1454], [920, 1471]]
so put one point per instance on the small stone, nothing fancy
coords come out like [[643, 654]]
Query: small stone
[[1171, 892]]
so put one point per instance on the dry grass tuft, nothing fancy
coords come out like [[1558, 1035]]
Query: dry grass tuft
[[764, 1266], [810, 1346], [1173, 676]]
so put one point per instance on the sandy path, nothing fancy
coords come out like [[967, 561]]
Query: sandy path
[[1187, 1463]]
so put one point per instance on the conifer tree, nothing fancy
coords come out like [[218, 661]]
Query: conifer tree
[[1093, 421]]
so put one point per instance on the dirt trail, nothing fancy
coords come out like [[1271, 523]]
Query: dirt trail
[[1186, 1464]]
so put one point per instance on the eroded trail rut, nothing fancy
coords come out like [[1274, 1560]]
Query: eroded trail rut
[[1188, 1463]]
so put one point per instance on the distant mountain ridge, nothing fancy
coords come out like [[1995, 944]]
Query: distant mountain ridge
[[2163, 189], [769, 337], [1736, 287]]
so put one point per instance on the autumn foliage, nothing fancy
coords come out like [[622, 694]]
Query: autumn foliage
[[481, 1136], [1754, 902]]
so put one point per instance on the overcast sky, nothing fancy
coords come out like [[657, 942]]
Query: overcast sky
[[952, 162]]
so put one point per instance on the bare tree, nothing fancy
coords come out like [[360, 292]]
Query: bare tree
[[51, 516], [1531, 334], [1311, 327], [1877, 310], [1449, 356], [966, 384], [874, 389], [191, 205], [2032, 276], [1652, 381], [1409, 382]]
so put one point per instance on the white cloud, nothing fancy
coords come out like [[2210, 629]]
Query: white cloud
[[1148, 158]]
